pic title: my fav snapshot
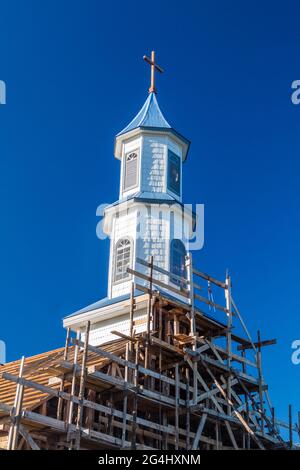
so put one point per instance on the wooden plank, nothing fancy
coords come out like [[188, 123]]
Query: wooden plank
[[229, 401], [15, 417], [125, 402], [83, 374], [209, 278], [199, 431], [290, 427], [61, 426], [101, 408], [242, 422], [73, 384], [178, 291], [188, 416], [163, 271], [142, 288], [189, 268], [260, 344], [131, 365], [260, 382], [31, 384], [131, 317], [242, 323], [28, 438], [212, 304], [149, 314], [235, 357], [141, 391], [231, 435], [166, 346], [176, 407], [122, 335], [224, 367], [214, 391], [62, 380]]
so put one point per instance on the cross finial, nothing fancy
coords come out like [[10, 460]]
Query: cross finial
[[154, 67]]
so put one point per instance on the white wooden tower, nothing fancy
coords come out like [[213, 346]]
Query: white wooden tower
[[147, 220]]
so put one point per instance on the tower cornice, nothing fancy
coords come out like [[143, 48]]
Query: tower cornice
[[141, 131]]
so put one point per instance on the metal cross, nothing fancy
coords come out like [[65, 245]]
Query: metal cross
[[154, 67]]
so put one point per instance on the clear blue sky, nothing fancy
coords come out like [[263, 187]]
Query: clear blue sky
[[75, 77]]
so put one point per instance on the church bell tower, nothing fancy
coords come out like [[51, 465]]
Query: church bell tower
[[147, 219], [147, 222]]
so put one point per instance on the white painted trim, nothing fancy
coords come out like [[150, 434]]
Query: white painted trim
[[122, 139], [78, 321], [111, 211], [112, 238]]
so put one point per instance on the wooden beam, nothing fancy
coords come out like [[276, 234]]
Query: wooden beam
[[260, 344], [209, 278], [157, 282], [17, 408], [122, 335], [290, 427], [124, 423], [62, 380], [73, 384], [163, 271], [176, 407], [212, 304], [28, 438], [199, 431], [83, 375]]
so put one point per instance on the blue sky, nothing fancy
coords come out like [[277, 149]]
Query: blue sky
[[75, 77]]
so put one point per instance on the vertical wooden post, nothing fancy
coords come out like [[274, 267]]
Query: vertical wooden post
[[188, 418], [176, 325], [131, 315], [160, 333], [161, 384], [110, 422], [273, 417], [165, 423], [17, 410], [217, 435], [135, 397], [90, 413], [82, 385], [228, 337], [125, 397], [73, 384], [149, 313], [189, 266], [244, 369], [260, 381], [176, 407], [244, 441], [61, 388], [290, 427]]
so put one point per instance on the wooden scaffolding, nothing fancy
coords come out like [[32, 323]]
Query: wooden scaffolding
[[188, 382]]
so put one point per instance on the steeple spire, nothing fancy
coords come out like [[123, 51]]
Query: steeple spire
[[154, 67]]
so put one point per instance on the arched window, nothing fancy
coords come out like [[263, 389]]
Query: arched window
[[177, 261], [122, 259]]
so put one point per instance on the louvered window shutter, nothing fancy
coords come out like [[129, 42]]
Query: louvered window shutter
[[131, 170]]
